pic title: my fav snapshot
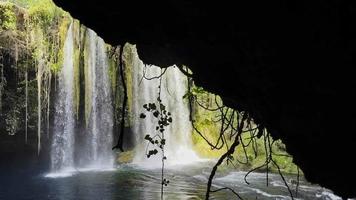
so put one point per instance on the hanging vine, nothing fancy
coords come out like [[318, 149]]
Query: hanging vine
[[233, 125], [157, 139]]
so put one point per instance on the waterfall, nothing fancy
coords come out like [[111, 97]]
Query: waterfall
[[178, 147], [100, 126], [62, 149], [94, 149]]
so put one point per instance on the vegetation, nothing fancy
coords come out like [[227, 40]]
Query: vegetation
[[7, 17], [32, 35], [157, 138], [250, 157]]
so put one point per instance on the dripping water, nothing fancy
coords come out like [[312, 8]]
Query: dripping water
[[99, 130]]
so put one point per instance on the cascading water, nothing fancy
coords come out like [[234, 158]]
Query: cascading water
[[96, 152], [62, 149], [178, 148], [99, 130]]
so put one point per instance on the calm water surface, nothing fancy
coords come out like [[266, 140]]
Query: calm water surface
[[129, 182]]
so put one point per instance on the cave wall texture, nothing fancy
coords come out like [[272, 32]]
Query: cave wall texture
[[290, 64]]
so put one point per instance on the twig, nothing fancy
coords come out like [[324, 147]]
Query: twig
[[225, 155], [154, 77], [227, 188], [284, 180]]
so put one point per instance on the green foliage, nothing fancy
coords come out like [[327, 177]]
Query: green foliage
[[252, 156], [195, 91], [164, 119], [35, 31], [128, 57], [25, 3], [43, 13], [7, 16], [56, 52]]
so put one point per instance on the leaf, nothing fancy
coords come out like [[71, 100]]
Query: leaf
[[162, 107], [152, 152], [170, 120], [163, 141], [142, 116], [155, 113], [152, 106], [147, 137], [144, 105], [169, 114]]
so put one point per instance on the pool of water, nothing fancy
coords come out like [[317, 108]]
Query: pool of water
[[128, 182]]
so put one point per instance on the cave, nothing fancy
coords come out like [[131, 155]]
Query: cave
[[287, 63]]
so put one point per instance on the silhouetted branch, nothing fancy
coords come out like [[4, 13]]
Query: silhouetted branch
[[185, 72], [225, 155], [154, 77], [227, 188], [284, 180]]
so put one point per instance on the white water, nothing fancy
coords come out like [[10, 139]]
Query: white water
[[99, 131], [95, 150], [62, 149], [178, 148]]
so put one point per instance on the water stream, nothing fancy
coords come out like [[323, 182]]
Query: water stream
[[98, 152], [95, 153], [129, 182], [62, 148]]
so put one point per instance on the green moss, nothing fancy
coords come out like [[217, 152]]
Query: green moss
[[112, 74], [43, 13], [125, 157], [57, 55], [7, 16], [128, 53], [205, 122]]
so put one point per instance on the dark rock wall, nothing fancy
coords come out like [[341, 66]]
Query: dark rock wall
[[289, 63]]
